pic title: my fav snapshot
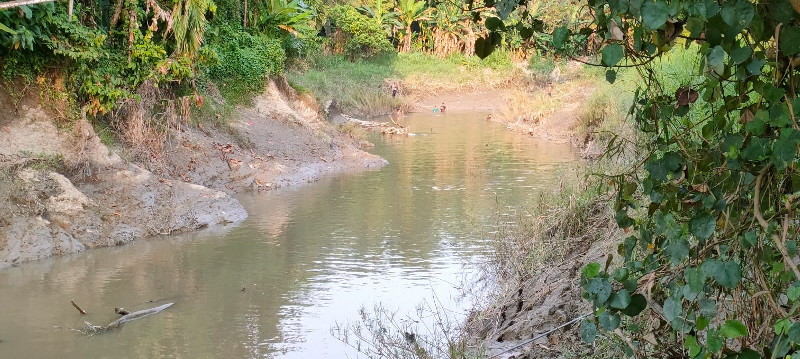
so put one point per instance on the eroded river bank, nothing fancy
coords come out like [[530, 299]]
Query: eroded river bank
[[306, 258]]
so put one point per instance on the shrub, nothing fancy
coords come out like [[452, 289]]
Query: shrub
[[364, 36], [245, 60]]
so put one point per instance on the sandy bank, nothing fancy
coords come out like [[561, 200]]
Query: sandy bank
[[64, 191]]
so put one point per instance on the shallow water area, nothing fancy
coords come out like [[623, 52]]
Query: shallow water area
[[308, 257]]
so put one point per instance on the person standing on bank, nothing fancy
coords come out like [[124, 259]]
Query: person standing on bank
[[394, 89]]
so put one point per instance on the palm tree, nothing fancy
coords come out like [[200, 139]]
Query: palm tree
[[189, 24], [410, 11]]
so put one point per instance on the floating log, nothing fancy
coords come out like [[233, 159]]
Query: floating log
[[137, 315], [127, 318]]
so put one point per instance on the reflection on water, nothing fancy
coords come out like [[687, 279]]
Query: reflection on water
[[307, 257]]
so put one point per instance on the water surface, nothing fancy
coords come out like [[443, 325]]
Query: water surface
[[308, 256]]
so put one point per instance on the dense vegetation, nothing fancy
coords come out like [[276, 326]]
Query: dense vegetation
[[710, 266], [711, 207], [109, 50]]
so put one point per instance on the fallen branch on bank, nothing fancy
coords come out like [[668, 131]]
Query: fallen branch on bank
[[541, 335], [386, 128]]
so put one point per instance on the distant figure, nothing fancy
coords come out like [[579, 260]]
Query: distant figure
[[489, 117], [443, 107], [394, 89], [399, 113], [435, 109], [550, 89]]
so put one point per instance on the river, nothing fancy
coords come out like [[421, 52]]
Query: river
[[308, 256]]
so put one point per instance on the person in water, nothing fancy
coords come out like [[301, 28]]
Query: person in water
[[442, 108], [399, 113], [435, 109]]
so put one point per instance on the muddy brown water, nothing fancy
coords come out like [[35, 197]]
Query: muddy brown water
[[308, 257]]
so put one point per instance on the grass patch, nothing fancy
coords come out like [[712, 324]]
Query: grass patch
[[362, 87], [43, 161]]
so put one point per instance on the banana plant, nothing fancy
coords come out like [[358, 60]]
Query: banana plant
[[189, 24], [410, 11], [389, 19], [279, 15]]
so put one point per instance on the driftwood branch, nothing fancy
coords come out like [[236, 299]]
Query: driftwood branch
[[128, 317], [137, 315]]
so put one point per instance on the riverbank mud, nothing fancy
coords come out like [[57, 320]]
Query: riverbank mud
[[64, 191]]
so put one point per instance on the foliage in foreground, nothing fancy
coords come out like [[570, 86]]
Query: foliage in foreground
[[713, 203]]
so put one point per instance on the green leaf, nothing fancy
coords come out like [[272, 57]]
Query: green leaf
[[27, 10], [612, 54], [588, 331], [772, 93], [757, 149], [741, 54], [591, 270], [505, 7], [637, 305], [672, 308], [733, 329], [691, 344], [621, 274], [618, 6], [483, 47], [737, 15], [654, 13], [714, 341], [678, 251], [560, 35], [609, 321], [702, 323], [695, 26], [703, 227], [794, 332], [784, 151], [782, 326], [715, 59], [708, 308], [754, 67], [7, 29], [620, 300], [790, 40], [695, 279], [748, 353], [601, 288], [793, 292], [728, 273], [493, 24]]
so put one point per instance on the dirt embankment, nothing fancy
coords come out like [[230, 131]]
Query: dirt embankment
[[63, 191]]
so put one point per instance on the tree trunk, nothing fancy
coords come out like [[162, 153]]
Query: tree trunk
[[245, 13], [407, 44]]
